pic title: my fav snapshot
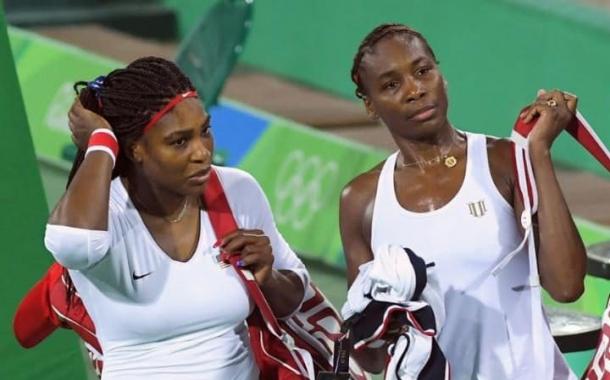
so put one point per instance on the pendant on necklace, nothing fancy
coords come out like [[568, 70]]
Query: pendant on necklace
[[450, 161]]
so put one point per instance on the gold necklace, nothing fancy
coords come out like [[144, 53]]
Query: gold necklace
[[177, 219], [180, 214], [448, 160]]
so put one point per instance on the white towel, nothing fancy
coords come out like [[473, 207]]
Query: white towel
[[390, 277]]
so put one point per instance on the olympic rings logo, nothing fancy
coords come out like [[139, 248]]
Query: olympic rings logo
[[303, 187]]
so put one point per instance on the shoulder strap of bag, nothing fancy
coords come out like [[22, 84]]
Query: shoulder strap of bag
[[301, 342], [582, 132], [223, 222], [297, 362]]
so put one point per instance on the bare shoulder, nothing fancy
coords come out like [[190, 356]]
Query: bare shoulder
[[500, 154], [360, 191]]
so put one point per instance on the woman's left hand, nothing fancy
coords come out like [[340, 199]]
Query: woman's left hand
[[254, 247], [555, 110]]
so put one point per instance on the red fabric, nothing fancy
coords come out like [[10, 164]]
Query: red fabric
[[273, 358], [35, 319], [168, 107], [45, 308], [104, 139], [598, 368], [73, 313], [582, 132]]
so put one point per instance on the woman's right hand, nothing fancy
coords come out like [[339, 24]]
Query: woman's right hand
[[82, 122]]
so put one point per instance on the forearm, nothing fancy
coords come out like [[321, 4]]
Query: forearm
[[284, 292], [85, 202], [561, 252]]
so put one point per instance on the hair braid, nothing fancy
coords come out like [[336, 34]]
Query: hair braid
[[368, 43], [129, 97]]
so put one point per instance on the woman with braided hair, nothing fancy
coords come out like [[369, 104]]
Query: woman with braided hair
[[137, 240], [452, 197]]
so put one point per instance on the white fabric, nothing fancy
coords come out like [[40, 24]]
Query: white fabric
[[101, 148], [76, 248], [530, 206], [599, 368], [357, 294], [390, 277], [488, 328], [159, 319], [408, 355]]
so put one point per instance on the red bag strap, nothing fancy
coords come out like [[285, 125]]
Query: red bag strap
[[223, 222], [581, 131]]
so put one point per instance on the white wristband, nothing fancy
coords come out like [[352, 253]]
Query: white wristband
[[101, 148]]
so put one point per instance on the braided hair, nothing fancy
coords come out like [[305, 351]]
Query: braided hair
[[127, 98], [368, 44]]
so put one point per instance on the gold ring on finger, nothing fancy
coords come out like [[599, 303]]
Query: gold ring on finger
[[551, 103]]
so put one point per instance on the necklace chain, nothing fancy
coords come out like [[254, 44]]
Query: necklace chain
[[180, 214], [448, 160], [175, 219]]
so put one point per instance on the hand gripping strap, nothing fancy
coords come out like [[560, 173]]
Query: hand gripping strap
[[294, 363], [582, 132]]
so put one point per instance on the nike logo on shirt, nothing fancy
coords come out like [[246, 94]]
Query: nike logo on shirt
[[138, 277]]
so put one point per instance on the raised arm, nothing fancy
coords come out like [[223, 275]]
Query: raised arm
[[77, 230], [561, 252], [85, 202]]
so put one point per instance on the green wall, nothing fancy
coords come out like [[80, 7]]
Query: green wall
[[22, 221], [189, 12], [494, 53]]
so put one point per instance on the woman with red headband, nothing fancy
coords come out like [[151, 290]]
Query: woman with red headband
[[138, 243]]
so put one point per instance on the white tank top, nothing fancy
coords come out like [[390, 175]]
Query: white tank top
[[488, 329]]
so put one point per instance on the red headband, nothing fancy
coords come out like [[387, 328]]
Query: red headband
[[168, 107]]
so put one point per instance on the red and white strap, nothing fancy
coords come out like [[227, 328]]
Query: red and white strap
[[104, 140], [586, 137], [223, 222], [584, 134]]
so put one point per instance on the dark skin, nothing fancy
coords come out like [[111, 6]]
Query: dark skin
[[169, 165], [406, 90]]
